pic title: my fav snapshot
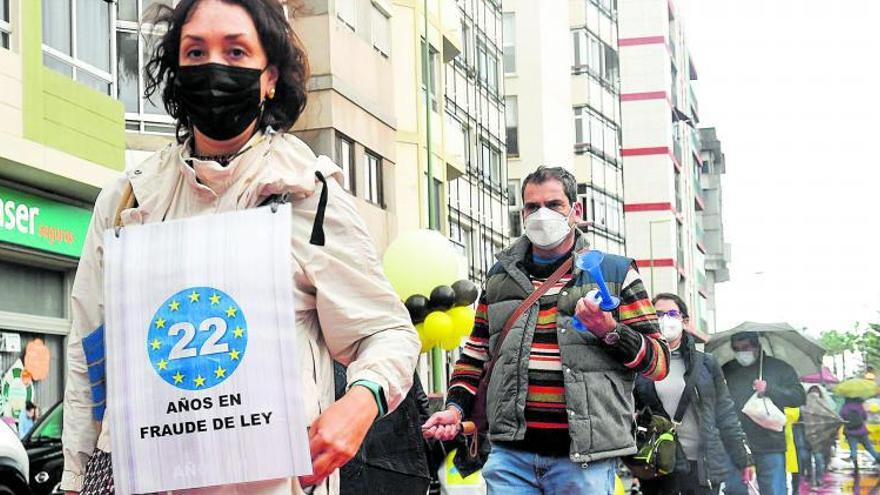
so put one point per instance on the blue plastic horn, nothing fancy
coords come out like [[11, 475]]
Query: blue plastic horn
[[591, 262]]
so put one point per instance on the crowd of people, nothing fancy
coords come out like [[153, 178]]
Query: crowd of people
[[556, 390]]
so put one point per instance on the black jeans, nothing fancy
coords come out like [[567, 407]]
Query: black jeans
[[677, 483]]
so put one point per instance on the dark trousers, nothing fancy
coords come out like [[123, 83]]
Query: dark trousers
[[677, 483], [370, 480]]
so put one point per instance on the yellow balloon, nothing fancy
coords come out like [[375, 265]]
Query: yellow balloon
[[426, 343], [451, 343], [419, 260], [462, 320], [438, 326]]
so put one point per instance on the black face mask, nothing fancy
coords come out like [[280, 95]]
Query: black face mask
[[221, 100]]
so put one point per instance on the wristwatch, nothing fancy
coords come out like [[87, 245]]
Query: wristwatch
[[612, 337]]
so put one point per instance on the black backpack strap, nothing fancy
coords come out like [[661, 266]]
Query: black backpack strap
[[688, 392], [317, 237], [318, 227]]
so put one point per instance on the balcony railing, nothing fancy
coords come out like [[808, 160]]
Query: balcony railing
[[695, 105]]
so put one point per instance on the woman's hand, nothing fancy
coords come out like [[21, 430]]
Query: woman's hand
[[336, 435]]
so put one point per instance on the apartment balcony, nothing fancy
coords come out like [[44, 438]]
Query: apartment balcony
[[700, 236], [702, 285], [452, 35]]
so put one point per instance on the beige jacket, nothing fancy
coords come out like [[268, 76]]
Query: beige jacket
[[345, 308]]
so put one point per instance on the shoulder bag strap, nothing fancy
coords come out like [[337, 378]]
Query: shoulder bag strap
[[125, 202], [687, 393], [525, 305]]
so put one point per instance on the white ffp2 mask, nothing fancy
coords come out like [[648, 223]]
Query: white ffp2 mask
[[671, 328], [745, 358], [546, 228]]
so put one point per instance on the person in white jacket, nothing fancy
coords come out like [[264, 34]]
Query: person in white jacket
[[233, 75]]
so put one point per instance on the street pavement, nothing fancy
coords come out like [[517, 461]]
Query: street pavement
[[842, 478]]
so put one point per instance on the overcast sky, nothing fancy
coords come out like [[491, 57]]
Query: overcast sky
[[793, 87]]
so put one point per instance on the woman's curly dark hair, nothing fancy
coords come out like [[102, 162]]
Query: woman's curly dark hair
[[283, 49]]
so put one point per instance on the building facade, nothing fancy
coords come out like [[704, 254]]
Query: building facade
[[562, 77], [662, 154], [475, 137], [717, 251], [61, 139]]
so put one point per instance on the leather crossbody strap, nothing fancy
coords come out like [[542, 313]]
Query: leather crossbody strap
[[529, 301]]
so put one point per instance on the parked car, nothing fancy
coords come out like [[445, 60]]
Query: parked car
[[13, 463], [43, 445]]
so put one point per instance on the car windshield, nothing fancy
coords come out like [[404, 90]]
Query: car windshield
[[50, 427]]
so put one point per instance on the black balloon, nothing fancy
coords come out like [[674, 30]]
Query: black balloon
[[442, 298], [465, 292], [418, 308]]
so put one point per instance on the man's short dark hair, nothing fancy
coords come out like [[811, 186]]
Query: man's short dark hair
[[682, 307], [747, 336], [543, 174]]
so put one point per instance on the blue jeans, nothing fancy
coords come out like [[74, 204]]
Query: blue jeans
[[818, 466], [854, 442], [772, 479], [510, 471]]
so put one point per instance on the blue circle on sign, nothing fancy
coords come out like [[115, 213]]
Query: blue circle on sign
[[197, 338]]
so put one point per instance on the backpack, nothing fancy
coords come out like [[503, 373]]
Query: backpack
[[854, 420]]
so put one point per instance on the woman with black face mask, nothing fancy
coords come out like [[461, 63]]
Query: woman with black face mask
[[233, 75]]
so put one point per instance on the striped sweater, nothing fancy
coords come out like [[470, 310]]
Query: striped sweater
[[545, 412]]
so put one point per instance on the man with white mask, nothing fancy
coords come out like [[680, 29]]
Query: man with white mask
[[774, 379], [559, 403], [709, 429]]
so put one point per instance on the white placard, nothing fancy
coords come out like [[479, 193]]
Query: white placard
[[202, 372]]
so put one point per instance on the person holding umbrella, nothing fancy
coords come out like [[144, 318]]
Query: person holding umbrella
[[821, 426], [709, 428], [856, 431], [753, 371]]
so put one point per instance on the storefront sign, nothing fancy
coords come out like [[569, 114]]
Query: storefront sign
[[35, 222], [204, 386]]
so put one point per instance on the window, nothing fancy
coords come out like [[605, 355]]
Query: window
[[465, 44], [509, 40], [516, 223], [76, 40], [461, 237], [595, 133], [373, 179], [605, 211], [38, 291], [456, 144], [594, 57], [493, 73], [514, 192], [430, 73], [491, 164], [135, 42], [487, 68], [511, 118], [346, 11], [381, 31], [5, 23], [611, 65], [345, 160]]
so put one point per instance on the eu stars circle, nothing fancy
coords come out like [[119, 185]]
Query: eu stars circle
[[197, 338]]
